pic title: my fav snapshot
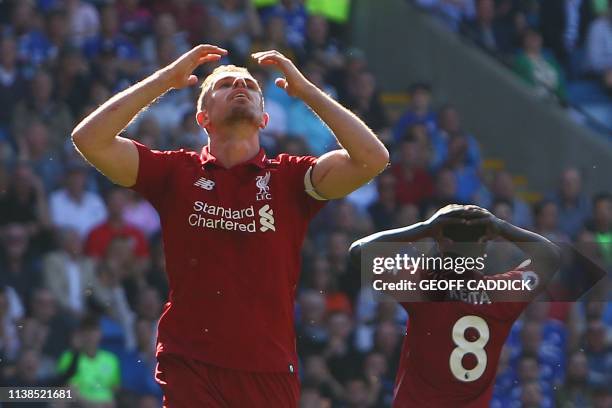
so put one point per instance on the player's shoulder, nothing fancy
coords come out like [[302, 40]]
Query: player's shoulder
[[286, 159]]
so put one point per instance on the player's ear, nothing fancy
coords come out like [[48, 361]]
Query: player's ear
[[265, 118], [202, 119]]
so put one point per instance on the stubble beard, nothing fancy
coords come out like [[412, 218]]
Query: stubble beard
[[241, 115]]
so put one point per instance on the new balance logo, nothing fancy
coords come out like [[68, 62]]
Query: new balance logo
[[267, 218], [204, 183]]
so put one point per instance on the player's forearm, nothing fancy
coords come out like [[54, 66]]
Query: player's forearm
[[100, 128], [411, 233], [361, 144], [543, 253]]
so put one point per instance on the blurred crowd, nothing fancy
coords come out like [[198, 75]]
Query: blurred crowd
[[81, 262], [563, 49]]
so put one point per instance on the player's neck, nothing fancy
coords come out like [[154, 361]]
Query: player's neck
[[230, 150]]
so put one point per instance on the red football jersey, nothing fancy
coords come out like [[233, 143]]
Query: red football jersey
[[232, 240], [451, 349]]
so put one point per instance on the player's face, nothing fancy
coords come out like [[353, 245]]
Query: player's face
[[234, 98]]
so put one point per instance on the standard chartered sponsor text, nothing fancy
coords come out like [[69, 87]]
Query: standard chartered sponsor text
[[230, 219]]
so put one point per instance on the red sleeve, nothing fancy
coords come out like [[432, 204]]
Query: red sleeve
[[297, 166], [155, 170], [511, 303]]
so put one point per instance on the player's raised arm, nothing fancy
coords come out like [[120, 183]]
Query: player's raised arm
[[431, 228], [544, 255], [97, 136], [362, 156]]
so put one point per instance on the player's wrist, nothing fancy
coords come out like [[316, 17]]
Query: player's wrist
[[306, 90]]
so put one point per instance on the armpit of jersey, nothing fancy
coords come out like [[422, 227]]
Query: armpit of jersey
[[309, 188]]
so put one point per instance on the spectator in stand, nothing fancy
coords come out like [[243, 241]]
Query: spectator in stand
[[164, 29], [12, 86], [57, 32], [138, 367], [413, 183], [383, 210], [379, 380], [503, 189], [601, 225], [98, 374], [69, 274], [532, 396], [84, 21], [491, 34], [364, 101], [274, 38], [547, 221], [449, 125], [574, 205], [73, 206], [599, 354], [110, 43], [41, 106], [11, 310], [311, 332], [575, 392], [343, 79], [33, 46], [141, 214], [320, 47], [466, 173], [52, 325], [539, 69], [294, 14], [445, 192], [239, 23], [599, 48], [38, 152], [357, 393], [135, 20], [24, 201], [311, 396], [564, 25], [339, 352], [419, 112], [318, 375], [19, 267], [115, 226], [192, 16], [388, 342], [72, 77], [156, 275], [110, 296], [322, 280]]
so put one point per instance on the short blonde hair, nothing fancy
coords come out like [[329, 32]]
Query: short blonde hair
[[210, 81]]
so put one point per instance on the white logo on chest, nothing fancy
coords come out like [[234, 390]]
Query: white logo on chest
[[262, 184], [204, 183], [267, 218]]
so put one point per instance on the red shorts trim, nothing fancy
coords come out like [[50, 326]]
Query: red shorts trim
[[190, 383]]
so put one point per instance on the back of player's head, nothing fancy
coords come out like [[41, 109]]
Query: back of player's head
[[464, 233]]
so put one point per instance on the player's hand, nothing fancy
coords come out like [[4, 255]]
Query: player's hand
[[294, 82], [480, 216], [179, 74], [450, 214]]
